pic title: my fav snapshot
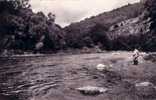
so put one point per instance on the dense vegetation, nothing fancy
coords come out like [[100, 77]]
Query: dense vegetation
[[150, 9], [150, 6], [21, 29], [124, 28]]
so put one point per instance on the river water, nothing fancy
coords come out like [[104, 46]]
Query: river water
[[55, 77]]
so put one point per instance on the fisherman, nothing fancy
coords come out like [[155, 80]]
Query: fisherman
[[136, 55]]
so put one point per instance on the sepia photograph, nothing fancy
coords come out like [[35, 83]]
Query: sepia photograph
[[77, 49]]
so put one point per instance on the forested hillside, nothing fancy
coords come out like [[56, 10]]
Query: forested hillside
[[126, 28], [94, 30]]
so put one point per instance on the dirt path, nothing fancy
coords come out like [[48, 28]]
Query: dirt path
[[55, 77]]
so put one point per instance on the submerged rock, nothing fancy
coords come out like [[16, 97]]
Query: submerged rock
[[91, 90], [150, 57], [145, 89], [143, 84]]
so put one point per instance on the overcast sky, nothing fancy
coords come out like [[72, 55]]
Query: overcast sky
[[68, 11]]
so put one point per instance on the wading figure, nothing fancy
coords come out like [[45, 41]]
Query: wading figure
[[136, 55]]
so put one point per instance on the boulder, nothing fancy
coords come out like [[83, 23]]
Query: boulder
[[102, 67]]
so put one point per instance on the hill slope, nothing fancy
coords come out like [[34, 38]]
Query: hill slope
[[94, 30], [125, 28]]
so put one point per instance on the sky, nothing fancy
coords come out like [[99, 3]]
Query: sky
[[69, 11]]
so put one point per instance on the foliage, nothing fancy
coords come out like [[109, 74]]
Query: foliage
[[150, 6], [22, 29], [13, 6]]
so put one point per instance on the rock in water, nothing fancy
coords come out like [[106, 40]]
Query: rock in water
[[150, 57], [91, 90], [101, 67], [143, 84], [145, 89]]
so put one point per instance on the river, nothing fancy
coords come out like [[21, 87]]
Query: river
[[55, 77]]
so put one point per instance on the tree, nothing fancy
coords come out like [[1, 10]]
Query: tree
[[51, 17], [13, 5], [99, 35]]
